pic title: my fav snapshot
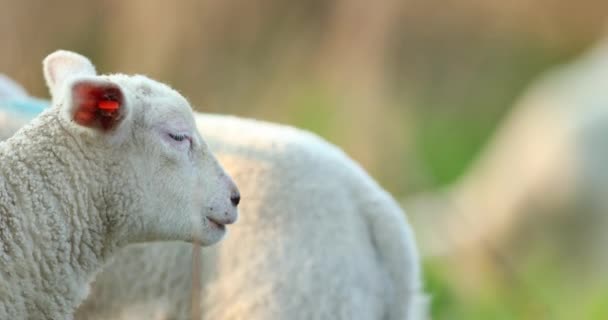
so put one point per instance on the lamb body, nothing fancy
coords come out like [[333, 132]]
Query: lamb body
[[76, 185], [317, 239], [539, 185], [16, 107]]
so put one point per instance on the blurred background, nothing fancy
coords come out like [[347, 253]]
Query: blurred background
[[413, 90]]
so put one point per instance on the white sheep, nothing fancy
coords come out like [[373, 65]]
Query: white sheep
[[541, 182], [11, 89], [116, 160], [16, 107], [317, 239]]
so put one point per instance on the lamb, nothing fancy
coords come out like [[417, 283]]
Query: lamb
[[544, 170], [318, 239], [16, 107], [115, 160]]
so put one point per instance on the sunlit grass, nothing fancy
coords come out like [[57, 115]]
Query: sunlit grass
[[542, 292]]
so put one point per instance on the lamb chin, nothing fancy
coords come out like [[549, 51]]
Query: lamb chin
[[216, 225]]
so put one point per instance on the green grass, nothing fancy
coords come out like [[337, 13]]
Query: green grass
[[543, 292]]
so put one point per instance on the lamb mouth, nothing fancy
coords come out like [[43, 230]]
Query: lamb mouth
[[216, 223]]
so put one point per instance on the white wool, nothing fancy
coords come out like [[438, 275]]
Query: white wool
[[72, 193], [9, 124], [317, 239]]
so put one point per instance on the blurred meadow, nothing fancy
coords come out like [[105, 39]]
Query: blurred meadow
[[413, 90]]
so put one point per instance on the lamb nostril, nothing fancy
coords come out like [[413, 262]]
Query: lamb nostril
[[235, 198]]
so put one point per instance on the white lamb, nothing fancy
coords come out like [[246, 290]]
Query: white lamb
[[542, 181], [317, 239], [116, 160], [16, 107]]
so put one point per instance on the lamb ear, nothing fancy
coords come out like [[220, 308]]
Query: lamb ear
[[61, 65], [95, 103]]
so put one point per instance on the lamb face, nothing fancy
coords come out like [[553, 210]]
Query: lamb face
[[161, 180]]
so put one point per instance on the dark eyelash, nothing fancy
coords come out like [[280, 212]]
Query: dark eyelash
[[178, 137]]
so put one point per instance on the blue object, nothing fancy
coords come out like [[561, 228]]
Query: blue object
[[24, 106]]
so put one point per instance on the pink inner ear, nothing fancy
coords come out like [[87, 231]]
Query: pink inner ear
[[97, 105]]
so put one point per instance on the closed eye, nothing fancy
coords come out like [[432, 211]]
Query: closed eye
[[178, 137]]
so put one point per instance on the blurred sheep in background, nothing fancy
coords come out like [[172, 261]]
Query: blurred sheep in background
[[539, 187], [16, 107]]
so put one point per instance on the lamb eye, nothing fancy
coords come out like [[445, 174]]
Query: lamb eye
[[178, 137]]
